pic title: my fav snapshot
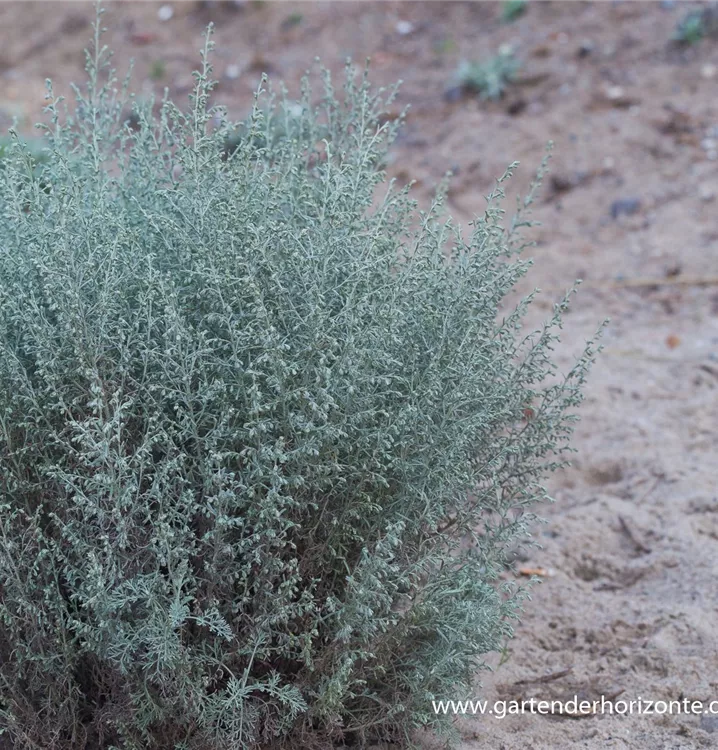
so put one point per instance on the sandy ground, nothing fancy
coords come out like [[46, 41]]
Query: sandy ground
[[629, 607]]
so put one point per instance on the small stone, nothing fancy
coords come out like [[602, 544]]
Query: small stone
[[232, 72], [625, 207], [709, 71], [454, 94], [709, 144], [712, 155], [609, 162], [586, 48], [616, 96], [404, 28], [165, 12]]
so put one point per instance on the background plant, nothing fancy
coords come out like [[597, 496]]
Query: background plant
[[264, 439], [513, 9], [697, 24], [490, 78], [35, 148]]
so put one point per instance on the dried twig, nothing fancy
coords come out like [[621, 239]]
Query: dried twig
[[629, 578], [653, 486], [527, 571], [544, 678]]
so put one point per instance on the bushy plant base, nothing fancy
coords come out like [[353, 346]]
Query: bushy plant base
[[264, 439]]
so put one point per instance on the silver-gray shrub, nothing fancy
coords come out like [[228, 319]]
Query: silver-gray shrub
[[266, 430]]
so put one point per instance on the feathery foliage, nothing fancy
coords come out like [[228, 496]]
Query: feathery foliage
[[262, 435]]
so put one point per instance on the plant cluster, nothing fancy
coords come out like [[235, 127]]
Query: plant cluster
[[34, 147], [266, 433], [513, 9], [697, 24], [488, 79]]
